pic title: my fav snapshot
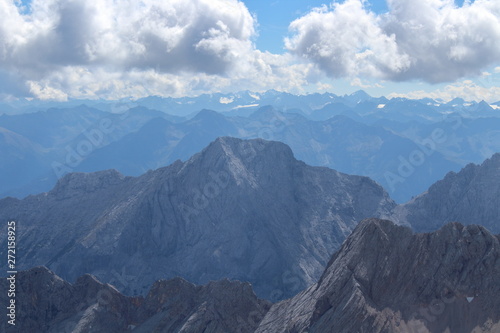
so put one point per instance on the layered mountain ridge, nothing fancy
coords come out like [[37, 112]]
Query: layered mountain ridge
[[372, 139]]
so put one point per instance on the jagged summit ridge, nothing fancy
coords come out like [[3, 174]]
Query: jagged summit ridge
[[384, 278]]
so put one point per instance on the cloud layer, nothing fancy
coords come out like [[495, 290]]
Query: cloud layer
[[59, 49], [169, 36], [432, 40], [113, 49]]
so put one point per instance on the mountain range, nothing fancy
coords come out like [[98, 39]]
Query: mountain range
[[339, 143], [242, 209], [384, 278], [240, 103], [405, 156]]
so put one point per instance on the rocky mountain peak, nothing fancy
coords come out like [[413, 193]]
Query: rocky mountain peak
[[245, 161], [242, 209], [357, 96], [384, 279]]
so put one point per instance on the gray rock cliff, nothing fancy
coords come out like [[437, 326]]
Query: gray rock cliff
[[387, 279]]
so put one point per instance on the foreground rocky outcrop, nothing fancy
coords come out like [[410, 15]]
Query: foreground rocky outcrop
[[245, 210], [46, 303], [387, 279], [471, 196], [384, 278]]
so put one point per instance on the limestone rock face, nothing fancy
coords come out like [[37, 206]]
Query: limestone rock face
[[387, 279], [471, 196], [245, 210]]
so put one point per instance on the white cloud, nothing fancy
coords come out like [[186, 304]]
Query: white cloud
[[169, 36], [346, 41], [271, 71], [433, 40], [47, 93], [468, 90], [113, 49]]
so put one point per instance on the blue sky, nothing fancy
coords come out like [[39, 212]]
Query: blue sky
[[274, 17], [104, 49]]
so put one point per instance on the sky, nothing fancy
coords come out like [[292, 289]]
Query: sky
[[108, 49]]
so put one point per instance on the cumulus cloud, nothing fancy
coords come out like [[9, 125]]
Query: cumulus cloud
[[112, 49], [169, 36], [433, 40], [264, 72], [59, 49]]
